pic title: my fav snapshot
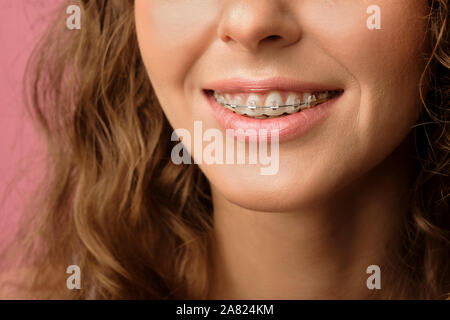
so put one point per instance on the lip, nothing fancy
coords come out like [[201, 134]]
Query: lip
[[289, 126], [238, 85]]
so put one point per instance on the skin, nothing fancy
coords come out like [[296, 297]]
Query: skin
[[336, 203]]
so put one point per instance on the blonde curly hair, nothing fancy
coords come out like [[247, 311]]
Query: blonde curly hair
[[140, 226]]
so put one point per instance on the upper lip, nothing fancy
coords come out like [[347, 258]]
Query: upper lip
[[241, 85]]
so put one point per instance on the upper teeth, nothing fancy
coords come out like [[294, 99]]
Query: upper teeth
[[273, 105]]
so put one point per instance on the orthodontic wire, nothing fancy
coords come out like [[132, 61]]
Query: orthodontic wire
[[316, 102]]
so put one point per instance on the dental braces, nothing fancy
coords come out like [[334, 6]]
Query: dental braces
[[311, 102]]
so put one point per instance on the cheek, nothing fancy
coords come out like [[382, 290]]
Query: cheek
[[341, 31], [171, 37], [169, 34], [385, 66]]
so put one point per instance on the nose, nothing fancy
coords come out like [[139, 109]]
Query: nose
[[254, 24]]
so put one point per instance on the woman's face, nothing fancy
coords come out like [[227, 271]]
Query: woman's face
[[191, 45]]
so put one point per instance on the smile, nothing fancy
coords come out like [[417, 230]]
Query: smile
[[289, 106], [272, 104]]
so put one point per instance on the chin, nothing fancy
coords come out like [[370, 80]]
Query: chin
[[245, 188]]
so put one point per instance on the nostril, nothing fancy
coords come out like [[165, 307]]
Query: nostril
[[226, 38], [273, 37]]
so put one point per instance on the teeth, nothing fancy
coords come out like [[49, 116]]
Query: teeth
[[238, 101], [228, 98], [307, 100], [323, 95], [219, 98], [253, 101], [292, 99], [273, 105], [311, 101]]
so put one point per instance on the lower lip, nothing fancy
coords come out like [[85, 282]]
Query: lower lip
[[289, 126]]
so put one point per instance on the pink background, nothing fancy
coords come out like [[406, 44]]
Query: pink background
[[21, 152]]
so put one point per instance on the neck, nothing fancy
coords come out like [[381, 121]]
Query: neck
[[322, 251]]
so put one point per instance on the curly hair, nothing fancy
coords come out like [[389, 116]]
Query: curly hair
[[427, 229], [114, 204]]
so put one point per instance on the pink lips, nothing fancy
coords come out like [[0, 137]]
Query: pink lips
[[288, 126]]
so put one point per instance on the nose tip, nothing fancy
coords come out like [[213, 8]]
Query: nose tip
[[252, 25]]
